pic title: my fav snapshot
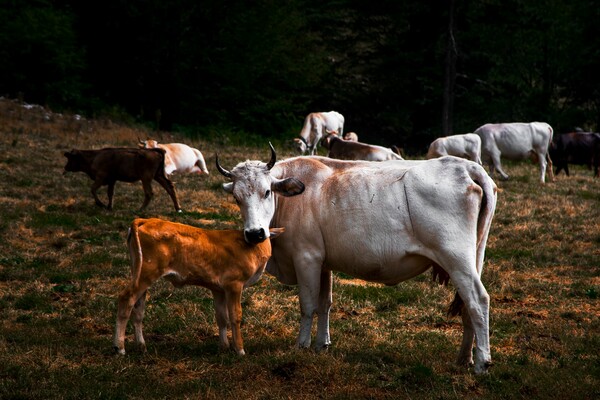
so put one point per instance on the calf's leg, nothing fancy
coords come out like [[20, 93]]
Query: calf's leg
[[222, 317], [95, 186], [147, 184], [233, 294], [129, 298]]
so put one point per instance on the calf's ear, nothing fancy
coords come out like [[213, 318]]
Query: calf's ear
[[228, 187], [288, 187]]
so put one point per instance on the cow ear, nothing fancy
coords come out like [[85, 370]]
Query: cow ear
[[274, 232], [228, 187], [288, 187]]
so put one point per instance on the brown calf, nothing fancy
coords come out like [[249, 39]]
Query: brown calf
[[219, 260]]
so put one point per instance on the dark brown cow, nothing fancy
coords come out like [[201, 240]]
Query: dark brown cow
[[109, 165], [581, 148]]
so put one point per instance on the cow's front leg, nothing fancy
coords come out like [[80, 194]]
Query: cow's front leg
[[325, 300], [111, 193], [95, 186], [147, 193]]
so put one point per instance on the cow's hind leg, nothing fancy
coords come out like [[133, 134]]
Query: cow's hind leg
[[475, 316], [465, 355], [222, 317], [138, 316], [128, 298]]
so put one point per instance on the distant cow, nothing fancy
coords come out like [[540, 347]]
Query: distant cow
[[219, 260], [582, 148], [316, 126], [516, 141], [466, 146], [348, 150], [109, 165], [350, 136], [179, 157]]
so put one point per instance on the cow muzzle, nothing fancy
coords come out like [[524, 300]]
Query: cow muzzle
[[254, 236]]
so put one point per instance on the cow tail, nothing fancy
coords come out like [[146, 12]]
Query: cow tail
[[135, 249], [484, 222]]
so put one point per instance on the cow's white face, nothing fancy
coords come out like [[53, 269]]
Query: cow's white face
[[254, 190]]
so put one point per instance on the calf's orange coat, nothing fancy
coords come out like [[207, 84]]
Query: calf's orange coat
[[220, 260]]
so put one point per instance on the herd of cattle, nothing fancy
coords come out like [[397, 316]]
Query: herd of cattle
[[385, 221]]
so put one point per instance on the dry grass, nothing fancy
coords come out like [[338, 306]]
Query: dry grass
[[63, 261]]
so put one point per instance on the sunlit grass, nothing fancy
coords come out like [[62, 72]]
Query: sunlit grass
[[64, 261]]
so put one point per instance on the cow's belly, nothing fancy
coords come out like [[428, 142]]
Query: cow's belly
[[388, 272]]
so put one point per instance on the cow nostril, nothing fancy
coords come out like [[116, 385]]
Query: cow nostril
[[255, 235]]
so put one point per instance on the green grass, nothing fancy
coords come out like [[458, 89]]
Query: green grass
[[64, 261]]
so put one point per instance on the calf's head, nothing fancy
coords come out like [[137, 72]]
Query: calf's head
[[253, 188], [74, 161]]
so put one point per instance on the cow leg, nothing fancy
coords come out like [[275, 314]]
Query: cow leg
[[498, 166], [138, 316], [543, 163], [147, 184], [325, 300], [222, 317], [110, 191], [476, 305], [465, 354], [127, 300], [550, 166], [233, 297], [95, 186], [308, 271], [170, 188]]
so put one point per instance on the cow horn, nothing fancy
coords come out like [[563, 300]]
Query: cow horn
[[140, 140], [273, 157], [221, 169]]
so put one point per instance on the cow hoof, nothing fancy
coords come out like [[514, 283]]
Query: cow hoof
[[120, 352]]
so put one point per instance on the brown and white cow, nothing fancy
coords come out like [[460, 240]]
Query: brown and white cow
[[466, 146], [109, 165], [220, 260], [349, 150], [179, 157]]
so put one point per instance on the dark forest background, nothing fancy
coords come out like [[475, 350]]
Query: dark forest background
[[401, 72]]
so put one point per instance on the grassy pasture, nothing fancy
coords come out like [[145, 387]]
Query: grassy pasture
[[63, 262]]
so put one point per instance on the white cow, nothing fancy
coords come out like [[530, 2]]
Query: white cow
[[516, 141], [179, 157], [466, 146], [316, 126], [384, 222]]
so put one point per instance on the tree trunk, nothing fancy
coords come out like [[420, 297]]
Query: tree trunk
[[450, 76]]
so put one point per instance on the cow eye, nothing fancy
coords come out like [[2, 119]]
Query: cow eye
[[267, 194]]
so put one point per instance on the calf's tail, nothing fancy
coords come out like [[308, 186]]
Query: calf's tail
[[135, 249]]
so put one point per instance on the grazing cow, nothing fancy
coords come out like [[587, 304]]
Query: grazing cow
[[516, 141], [582, 148], [179, 157], [315, 127], [219, 260], [384, 222], [348, 150], [466, 146], [350, 136], [109, 165]]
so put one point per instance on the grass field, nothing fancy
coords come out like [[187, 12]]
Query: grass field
[[63, 262]]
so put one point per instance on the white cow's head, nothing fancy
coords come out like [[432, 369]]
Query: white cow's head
[[253, 188], [147, 144]]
